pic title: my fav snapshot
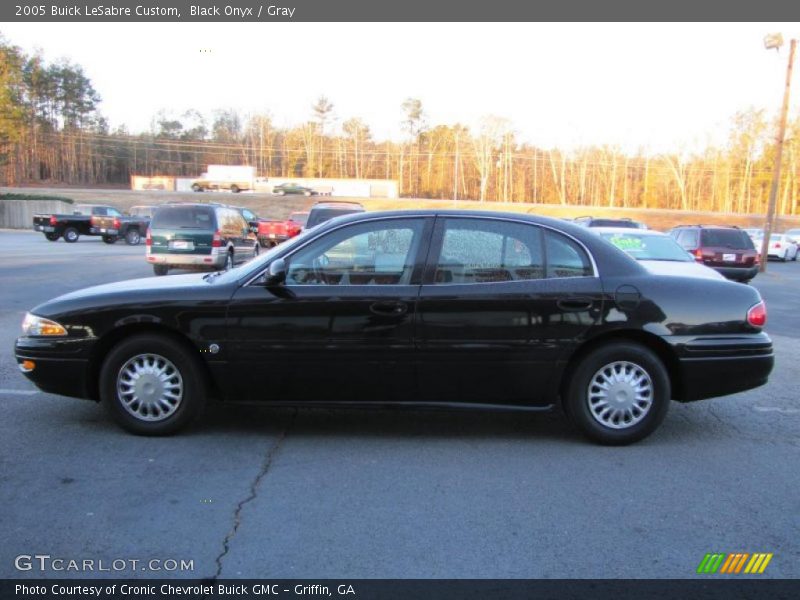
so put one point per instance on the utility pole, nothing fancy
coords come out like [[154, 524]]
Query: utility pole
[[775, 41]]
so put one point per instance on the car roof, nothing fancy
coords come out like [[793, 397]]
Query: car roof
[[336, 203]]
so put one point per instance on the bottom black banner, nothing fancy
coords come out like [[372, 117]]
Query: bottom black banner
[[400, 589]]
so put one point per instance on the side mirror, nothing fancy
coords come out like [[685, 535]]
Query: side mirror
[[276, 274]]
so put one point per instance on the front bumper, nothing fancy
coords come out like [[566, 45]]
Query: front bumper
[[62, 365], [718, 366]]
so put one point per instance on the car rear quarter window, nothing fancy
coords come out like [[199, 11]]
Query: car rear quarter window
[[487, 251], [688, 239], [727, 238], [184, 217], [565, 257]]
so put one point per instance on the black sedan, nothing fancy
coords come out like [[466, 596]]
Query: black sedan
[[415, 308]]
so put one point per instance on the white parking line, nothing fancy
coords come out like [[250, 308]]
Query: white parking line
[[18, 392], [785, 411]]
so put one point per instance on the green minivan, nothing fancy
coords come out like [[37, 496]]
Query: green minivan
[[198, 236]]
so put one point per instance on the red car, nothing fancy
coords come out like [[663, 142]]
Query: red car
[[273, 232]]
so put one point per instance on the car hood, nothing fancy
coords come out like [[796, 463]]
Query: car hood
[[148, 288], [681, 269]]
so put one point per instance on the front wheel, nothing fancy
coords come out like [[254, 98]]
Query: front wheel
[[618, 393], [71, 235], [53, 237], [152, 385], [133, 237]]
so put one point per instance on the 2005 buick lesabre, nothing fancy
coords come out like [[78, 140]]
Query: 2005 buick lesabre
[[452, 309]]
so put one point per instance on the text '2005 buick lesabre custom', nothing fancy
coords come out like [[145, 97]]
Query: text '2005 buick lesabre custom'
[[451, 309]]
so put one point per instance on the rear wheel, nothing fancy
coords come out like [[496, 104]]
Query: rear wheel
[[109, 239], [196, 188], [71, 235], [235, 189], [618, 394], [53, 237], [160, 269], [152, 385], [228, 261], [133, 237]]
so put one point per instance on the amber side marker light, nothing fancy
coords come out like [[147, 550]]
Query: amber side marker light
[[26, 366]]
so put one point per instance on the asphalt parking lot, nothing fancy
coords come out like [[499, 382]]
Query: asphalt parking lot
[[279, 493]]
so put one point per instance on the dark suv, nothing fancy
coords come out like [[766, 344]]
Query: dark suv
[[198, 236], [728, 250], [323, 211]]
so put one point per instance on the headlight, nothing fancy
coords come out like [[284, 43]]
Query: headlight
[[33, 325]]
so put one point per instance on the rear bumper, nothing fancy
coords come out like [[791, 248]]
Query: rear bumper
[[62, 367], [102, 231], [737, 273], [208, 261], [711, 367]]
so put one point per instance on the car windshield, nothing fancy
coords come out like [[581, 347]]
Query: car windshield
[[183, 217], [727, 238], [648, 247]]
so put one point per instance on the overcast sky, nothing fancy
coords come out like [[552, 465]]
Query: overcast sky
[[658, 86]]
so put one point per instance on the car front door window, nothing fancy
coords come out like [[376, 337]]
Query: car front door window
[[381, 253]]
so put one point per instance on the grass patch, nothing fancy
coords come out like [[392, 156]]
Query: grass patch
[[35, 197]]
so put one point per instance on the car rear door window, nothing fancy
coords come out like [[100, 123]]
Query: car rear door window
[[487, 251], [565, 257]]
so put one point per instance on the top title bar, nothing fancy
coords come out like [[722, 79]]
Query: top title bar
[[396, 10]]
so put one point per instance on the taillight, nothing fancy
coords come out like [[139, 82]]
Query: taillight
[[777, 244], [53, 220], [757, 315], [698, 254], [217, 241], [116, 223], [148, 241]]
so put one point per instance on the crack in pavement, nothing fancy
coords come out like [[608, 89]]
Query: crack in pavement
[[237, 514]]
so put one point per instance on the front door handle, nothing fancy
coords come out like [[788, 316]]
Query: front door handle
[[574, 304], [388, 308]]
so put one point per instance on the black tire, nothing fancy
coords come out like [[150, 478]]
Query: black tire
[[110, 239], [133, 237], [53, 236], [235, 189], [160, 269], [181, 372], [196, 188], [71, 235], [614, 358]]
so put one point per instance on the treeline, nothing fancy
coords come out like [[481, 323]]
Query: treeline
[[51, 131]]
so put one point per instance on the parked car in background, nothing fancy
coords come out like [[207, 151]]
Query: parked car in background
[[755, 233], [728, 250], [273, 232], [782, 247], [657, 252], [93, 220], [292, 188], [794, 234], [198, 236], [449, 309], [323, 211], [603, 222], [248, 215]]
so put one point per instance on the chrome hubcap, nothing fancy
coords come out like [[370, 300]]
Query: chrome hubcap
[[620, 395], [150, 387]]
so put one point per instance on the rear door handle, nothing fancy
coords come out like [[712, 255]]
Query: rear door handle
[[574, 304], [388, 308]]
